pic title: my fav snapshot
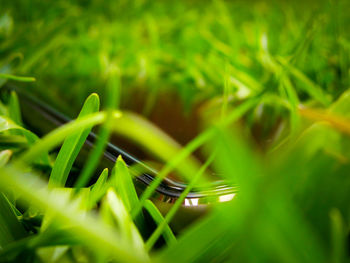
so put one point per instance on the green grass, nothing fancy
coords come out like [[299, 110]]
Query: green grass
[[71, 147], [269, 82]]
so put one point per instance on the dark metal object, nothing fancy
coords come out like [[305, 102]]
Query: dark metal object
[[42, 118]]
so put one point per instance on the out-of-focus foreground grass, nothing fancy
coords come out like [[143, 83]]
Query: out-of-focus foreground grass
[[278, 70]]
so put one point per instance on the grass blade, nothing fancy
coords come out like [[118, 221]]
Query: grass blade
[[158, 218], [98, 189], [18, 78], [124, 185], [154, 140], [10, 228], [310, 87], [113, 97], [7, 124], [72, 145], [54, 138], [126, 226], [14, 109], [122, 180], [5, 157]]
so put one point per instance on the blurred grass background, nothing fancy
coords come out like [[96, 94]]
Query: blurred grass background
[[187, 46], [289, 61]]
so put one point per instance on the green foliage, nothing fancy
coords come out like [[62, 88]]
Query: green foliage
[[268, 84]]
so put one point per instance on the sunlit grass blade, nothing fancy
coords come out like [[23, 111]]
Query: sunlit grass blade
[[18, 78], [64, 195], [249, 82], [5, 157], [158, 218], [7, 124], [126, 226], [112, 102], [55, 137], [72, 145], [124, 185], [148, 135], [99, 189]]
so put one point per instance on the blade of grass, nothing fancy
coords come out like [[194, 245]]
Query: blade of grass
[[155, 141], [158, 218], [125, 188], [53, 139], [310, 87], [99, 189], [113, 97], [246, 79], [5, 157], [72, 145], [14, 109], [125, 224], [8, 125], [10, 227], [64, 195], [18, 78], [294, 102], [124, 185]]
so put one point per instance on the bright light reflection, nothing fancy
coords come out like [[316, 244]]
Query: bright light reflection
[[226, 198], [191, 202]]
